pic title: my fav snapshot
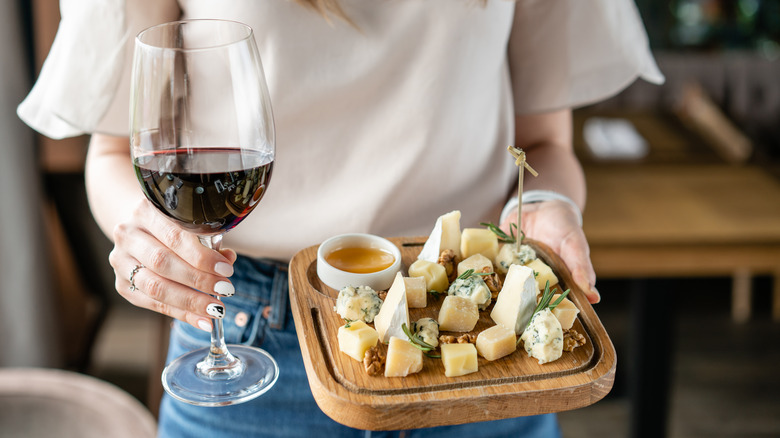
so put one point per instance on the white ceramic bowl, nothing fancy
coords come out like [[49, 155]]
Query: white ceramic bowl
[[338, 279]]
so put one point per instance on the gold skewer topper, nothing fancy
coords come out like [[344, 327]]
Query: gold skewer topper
[[520, 162]]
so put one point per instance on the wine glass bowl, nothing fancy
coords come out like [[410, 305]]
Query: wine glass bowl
[[203, 148]]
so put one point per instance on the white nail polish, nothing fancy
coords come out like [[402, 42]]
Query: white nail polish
[[216, 310], [204, 325], [224, 288], [223, 269]]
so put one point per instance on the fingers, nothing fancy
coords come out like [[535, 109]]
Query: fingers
[[176, 267], [575, 252]]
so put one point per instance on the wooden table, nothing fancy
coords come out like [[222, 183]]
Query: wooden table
[[671, 220], [679, 212]]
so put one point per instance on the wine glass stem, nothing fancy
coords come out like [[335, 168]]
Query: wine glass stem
[[218, 363]]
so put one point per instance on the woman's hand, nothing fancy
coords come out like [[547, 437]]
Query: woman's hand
[[176, 267], [556, 224]]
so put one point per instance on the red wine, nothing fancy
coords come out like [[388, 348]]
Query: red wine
[[207, 190]]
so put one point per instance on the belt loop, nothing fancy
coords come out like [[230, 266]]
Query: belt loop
[[279, 298]]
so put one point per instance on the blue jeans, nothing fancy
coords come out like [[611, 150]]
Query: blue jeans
[[288, 409]]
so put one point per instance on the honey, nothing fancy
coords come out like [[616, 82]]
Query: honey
[[360, 260]]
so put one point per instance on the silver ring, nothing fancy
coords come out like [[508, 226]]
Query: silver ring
[[135, 270]]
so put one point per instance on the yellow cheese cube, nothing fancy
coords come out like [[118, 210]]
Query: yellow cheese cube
[[543, 274], [356, 339], [458, 314], [477, 262], [478, 241], [416, 292], [566, 312], [435, 275], [459, 359], [496, 342], [403, 358]]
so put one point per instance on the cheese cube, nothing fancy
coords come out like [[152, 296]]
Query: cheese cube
[[458, 314], [403, 358], [478, 241], [416, 292], [394, 312], [517, 299], [459, 359], [435, 274], [566, 312], [496, 342], [445, 235], [543, 274], [477, 262], [355, 338]]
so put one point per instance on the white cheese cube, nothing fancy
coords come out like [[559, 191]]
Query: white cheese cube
[[355, 338], [496, 342], [478, 241], [403, 358], [566, 312], [394, 312], [416, 292], [458, 314], [543, 339], [435, 275], [477, 262], [517, 299], [445, 235], [543, 274], [459, 359]]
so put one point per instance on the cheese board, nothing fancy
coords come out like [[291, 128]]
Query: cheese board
[[512, 386]]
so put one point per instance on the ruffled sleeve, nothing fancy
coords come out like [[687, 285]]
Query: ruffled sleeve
[[570, 53], [84, 85]]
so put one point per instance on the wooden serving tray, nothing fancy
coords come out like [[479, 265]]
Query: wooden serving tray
[[513, 386]]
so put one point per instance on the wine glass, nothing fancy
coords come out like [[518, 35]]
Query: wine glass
[[202, 142]]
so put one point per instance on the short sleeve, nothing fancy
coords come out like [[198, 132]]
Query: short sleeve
[[84, 84], [570, 53]]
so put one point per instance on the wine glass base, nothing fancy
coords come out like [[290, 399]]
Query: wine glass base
[[183, 382]]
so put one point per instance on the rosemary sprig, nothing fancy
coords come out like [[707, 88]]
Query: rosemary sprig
[[469, 272], [418, 342], [545, 303], [501, 234]]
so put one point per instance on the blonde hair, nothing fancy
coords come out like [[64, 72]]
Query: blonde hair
[[326, 8]]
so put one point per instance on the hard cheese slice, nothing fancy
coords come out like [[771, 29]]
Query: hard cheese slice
[[394, 312], [517, 299], [445, 235]]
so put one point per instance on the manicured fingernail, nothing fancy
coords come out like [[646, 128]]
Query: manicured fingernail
[[594, 291], [216, 310], [223, 269], [204, 325], [224, 288]]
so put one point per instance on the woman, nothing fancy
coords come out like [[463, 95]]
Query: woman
[[388, 114]]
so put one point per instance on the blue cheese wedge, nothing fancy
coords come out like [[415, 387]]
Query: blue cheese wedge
[[445, 235], [394, 312], [472, 287], [543, 339], [516, 301], [508, 256], [427, 329], [358, 303]]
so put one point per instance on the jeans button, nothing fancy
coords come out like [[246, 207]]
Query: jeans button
[[241, 319]]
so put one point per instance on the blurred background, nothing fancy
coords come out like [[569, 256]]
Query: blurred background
[[683, 219]]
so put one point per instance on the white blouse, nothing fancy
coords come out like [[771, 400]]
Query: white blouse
[[381, 127]]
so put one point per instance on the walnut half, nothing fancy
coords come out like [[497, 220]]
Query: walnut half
[[466, 338], [373, 361], [448, 259], [572, 339], [492, 281]]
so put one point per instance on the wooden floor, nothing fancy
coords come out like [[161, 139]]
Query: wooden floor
[[725, 379]]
